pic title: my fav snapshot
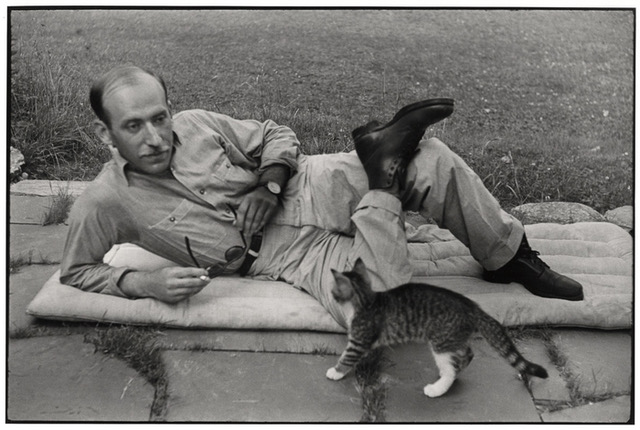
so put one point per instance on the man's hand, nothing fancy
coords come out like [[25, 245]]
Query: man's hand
[[169, 285], [256, 210]]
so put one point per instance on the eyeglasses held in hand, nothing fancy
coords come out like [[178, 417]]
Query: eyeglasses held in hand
[[231, 255]]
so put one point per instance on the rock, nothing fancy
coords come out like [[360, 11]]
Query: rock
[[556, 212], [622, 216], [16, 162]]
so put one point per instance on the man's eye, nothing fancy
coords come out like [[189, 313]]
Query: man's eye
[[160, 119], [133, 127]]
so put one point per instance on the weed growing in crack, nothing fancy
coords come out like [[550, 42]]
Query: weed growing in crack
[[577, 395], [16, 263], [59, 209], [371, 385], [28, 332], [322, 350], [138, 348]]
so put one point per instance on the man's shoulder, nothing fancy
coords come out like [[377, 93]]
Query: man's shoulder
[[191, 114], [200, 118], [104, 188]]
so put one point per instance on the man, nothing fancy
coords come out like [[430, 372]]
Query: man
[[201, 188]]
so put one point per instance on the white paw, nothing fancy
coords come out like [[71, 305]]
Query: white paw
[[334, 374], [435, 390]]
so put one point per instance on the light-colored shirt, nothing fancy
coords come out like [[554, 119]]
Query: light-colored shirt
[[216, 161]]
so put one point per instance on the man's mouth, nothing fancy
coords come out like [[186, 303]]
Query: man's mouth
[[156, 155]]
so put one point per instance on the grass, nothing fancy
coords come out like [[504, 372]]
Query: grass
[[578, 396], [49, 124], [543, 88], [19, 261], [61, 204], [28, 332], [371, 385], [544, 101], [137, 347]]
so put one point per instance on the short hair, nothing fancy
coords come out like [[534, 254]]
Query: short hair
[[118, 73]]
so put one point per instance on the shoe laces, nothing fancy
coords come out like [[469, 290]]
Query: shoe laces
[[533, 256]]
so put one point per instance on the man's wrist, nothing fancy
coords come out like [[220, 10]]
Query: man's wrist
[[275, 178], [132, 284]]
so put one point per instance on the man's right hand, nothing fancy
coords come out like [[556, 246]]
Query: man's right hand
[[169, 284]]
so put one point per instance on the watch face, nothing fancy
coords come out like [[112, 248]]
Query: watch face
[[274, 188]]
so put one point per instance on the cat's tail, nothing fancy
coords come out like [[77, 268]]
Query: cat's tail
[[498, 338]]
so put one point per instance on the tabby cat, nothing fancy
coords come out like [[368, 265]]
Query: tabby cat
[[419, 312]]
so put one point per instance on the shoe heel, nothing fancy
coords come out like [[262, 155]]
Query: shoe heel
[[495, 278]]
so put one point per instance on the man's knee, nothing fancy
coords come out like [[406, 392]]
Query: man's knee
[[436, 148]]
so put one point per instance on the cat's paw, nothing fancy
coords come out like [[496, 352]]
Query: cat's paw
[[334, 375], [435, 390]]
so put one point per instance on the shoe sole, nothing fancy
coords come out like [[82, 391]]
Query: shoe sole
[[419, 105], [497, 280], [373, 127]]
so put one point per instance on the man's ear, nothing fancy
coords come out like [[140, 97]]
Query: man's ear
[[102, 131]]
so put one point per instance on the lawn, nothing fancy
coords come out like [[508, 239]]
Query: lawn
[[544, 98]]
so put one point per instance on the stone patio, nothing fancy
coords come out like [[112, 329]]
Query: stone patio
[[55, 374]]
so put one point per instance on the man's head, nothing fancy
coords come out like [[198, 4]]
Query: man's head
[[134, 117]]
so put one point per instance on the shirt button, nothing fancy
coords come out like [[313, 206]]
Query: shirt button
[[228, 165], [202, 191], [172, 219]]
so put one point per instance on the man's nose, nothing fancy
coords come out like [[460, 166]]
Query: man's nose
[[153, 138]]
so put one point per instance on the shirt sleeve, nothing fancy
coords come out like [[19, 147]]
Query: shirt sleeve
[[266, 142], [94, 227]]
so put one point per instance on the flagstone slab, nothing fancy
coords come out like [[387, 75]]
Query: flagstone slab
[[489, 390], [61, 378], [39, 187], [224, 386], [616, 410], [23, 286], [28, 209], [306, 342], [554, 388], [37, 244], [600, 361]]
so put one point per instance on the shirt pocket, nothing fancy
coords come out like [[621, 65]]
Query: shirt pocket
[[207, 236], [175, 217], [233, 180]]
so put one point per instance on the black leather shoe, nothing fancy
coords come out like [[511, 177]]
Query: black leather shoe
[[528, 269], [385, 150]]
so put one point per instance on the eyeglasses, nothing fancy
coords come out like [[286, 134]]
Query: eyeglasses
[[231, 255]]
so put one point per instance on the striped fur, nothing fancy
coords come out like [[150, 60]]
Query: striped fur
[[419, 313]]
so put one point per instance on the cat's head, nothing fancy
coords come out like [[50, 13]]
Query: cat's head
[[353, 286]]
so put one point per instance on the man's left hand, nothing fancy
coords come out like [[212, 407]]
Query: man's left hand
[[256, 210]]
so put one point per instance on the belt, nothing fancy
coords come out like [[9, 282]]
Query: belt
[[252, 254]]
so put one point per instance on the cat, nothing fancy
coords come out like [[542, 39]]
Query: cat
[[418, 313]]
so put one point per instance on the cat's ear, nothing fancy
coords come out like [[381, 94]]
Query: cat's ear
[[361, 270], [342, 290]]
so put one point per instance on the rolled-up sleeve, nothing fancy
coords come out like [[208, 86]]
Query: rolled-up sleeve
[[280, 146], [94, 227], [266, 143]]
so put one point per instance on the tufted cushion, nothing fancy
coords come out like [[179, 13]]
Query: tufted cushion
[[599, 255]]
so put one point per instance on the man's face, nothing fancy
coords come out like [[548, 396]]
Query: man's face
[[140, 124]]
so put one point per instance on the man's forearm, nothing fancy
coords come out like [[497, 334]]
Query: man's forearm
[[95, 278], [168, 284], [135, 284]]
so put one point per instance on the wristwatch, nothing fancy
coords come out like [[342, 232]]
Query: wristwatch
[[273, 188]]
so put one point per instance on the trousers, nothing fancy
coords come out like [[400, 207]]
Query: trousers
[[329, 218]]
